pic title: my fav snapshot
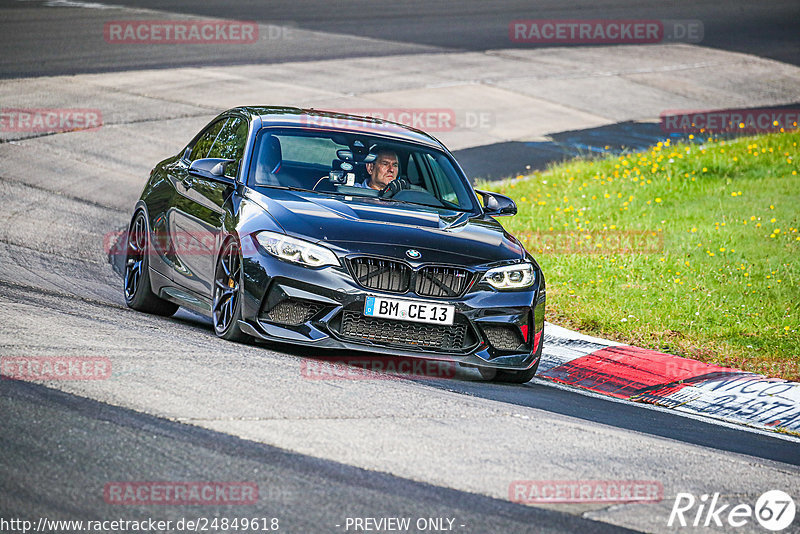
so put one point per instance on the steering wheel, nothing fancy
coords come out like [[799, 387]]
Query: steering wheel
[[394, 187]]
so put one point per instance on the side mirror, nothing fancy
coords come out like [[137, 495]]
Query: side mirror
[[212, 169], [497, 204]]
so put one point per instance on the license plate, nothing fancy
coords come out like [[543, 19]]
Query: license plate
[[409, 310]]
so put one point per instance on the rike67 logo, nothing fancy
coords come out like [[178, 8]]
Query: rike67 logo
[[774, 510]]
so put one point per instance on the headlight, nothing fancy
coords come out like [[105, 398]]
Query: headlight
[[517, 276], [296, 250]]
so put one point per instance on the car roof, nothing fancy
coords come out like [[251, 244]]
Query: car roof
[[314, 119]]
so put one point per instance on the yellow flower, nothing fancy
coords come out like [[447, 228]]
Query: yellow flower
[[694, 229], [658, 200]]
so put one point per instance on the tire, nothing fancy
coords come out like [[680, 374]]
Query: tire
[[226, 308], [515, 377], [136, 282]]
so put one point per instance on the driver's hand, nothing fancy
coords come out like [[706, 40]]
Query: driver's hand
[[394, 187]]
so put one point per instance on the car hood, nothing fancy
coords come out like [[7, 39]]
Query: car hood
[[375, 226]]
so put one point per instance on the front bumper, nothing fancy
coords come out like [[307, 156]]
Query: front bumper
[[323, 308]]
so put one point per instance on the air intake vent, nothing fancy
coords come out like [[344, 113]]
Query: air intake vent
[[503, 337], [356, 326], [292, 312]]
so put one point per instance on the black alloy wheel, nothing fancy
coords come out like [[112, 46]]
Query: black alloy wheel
[[227, 305], [138, 292]]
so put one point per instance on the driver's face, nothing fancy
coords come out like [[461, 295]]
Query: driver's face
[[383, 170]]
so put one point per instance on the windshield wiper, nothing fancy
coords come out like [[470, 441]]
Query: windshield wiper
[[441, 207]]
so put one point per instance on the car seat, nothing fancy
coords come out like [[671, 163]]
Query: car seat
[[268, 161]]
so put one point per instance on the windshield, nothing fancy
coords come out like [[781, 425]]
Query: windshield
[[356, 165]]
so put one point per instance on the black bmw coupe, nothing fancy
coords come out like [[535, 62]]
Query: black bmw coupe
[[336, 232]]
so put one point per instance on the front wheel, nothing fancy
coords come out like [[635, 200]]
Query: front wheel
[[227, 305], [504, 375], [515, 377], [138, 293]]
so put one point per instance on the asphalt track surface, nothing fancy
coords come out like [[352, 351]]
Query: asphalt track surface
[[306, 494], [186, 406], [40, 42]]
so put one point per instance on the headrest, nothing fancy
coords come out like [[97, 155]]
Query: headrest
[[269, 161]]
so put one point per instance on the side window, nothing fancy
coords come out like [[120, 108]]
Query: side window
[[230, 144], [203, 145], [442, 181]]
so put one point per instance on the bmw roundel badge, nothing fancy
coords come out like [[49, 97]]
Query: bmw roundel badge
[[413, 254]]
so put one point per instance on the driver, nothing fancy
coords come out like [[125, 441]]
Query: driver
[[382, 171]]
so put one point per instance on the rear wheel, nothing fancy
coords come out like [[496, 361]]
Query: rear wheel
[[227, 304], [138, 292]]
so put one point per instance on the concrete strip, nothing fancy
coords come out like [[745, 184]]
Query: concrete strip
[[526, 93]]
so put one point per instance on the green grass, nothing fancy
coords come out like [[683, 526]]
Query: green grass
[[718, 278]]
